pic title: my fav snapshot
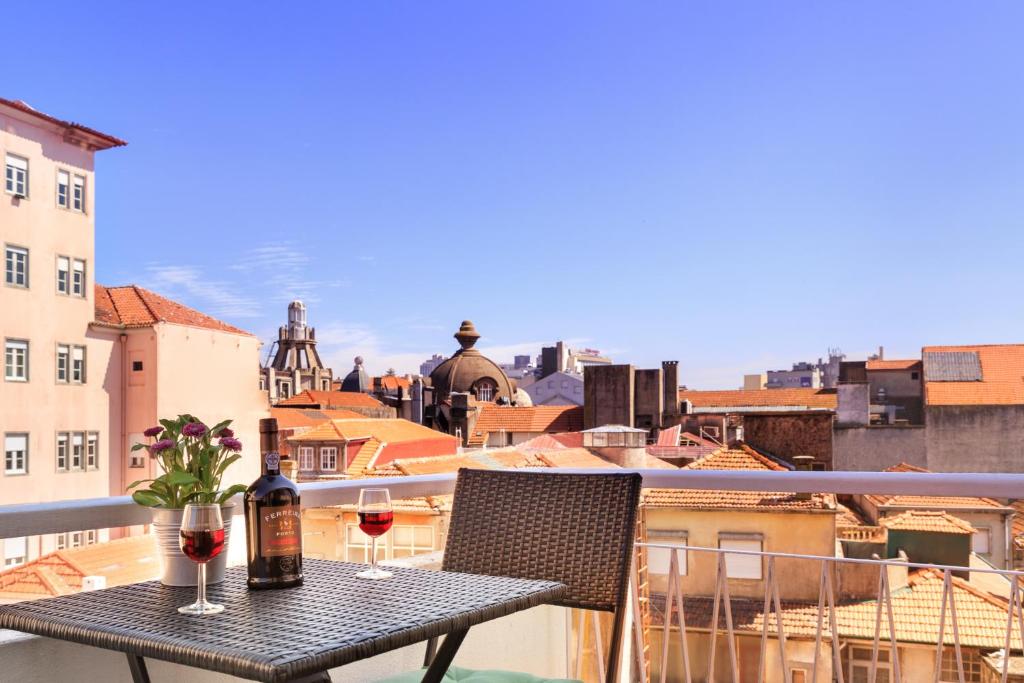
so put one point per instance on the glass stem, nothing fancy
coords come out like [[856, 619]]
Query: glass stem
[[373, 553], [202, 584]]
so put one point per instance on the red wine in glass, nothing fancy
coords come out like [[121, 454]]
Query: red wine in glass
[[202, 546], [376, 523]]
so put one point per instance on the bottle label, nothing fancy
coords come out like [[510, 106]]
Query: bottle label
[[280, 531], [272, 460]]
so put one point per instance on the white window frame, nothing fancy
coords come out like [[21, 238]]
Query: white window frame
[[63, 363], [16, 175], [284, 390], [860, 663], [22, 547], [981, 532], [16, 350], [77, 450], [358, 542], [413, 548], [328, 458], [658, 559], [742, 566], [63, 183], [64, 275], [92, 451], [78, 280], [77, 365], [78, 193], [307, 458], [11, 263], [15, 464], [63, 451]]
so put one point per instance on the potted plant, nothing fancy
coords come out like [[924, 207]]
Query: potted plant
[[192, 458]]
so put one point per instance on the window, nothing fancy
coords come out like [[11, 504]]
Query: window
[[306, 459], [914, 375], [63, 363], [658, 558], [408, 540], [799, 675], [76, 450], [15, 551], [16, 454], [358, 545], [78, 194], [137, 458], [743, 566], [284, 389], [981, 541], [972, 665], [75, 539], [136, 366], [63, 185], [16, 360], [92, 451], [62, 452], [78, 364], [485, 390], [16, 176], [78, 278], [328, 458], [63, 275], [16, 266], [859, 661]]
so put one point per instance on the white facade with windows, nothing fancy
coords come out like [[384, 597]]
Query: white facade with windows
[[557, 389]]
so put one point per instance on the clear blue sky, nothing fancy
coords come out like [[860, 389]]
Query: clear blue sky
[[733, 185]]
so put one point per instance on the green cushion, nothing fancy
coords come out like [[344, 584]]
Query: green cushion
[[457, 675]]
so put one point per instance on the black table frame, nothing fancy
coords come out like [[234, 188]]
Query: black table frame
[[332, 620]]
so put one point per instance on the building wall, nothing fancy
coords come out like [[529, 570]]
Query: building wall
[[559, 389], [872, 449], [649, 398], [443, 445], [783, 532], [608, 395], [975, 438], [789, 435], [324, 533]]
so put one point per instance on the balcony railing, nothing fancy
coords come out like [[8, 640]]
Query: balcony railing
[[787, 631]]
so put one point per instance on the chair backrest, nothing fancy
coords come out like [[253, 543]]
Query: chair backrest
[[577, 529]]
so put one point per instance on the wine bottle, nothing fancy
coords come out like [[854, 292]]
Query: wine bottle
[[273, 520]]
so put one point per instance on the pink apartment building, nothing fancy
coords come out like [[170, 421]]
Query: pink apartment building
[[88, 368]]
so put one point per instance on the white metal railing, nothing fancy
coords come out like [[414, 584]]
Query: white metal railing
[[821, 616]]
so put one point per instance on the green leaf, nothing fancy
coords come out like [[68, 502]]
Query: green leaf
[[147, 498], [219, 426], [179, 478], [136, 483], [228, 461], [230, 492], [138, 446]]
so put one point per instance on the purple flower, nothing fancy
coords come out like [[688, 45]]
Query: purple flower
[[161, 445], [225, 432], [231, 443], [153, 431], [195, 429]]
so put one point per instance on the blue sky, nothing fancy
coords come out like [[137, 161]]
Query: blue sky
[[732, 185]]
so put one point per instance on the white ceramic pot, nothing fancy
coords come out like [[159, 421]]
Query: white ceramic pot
[[175, 568]]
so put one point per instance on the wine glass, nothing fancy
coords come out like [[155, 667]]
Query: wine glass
[[202, 539], [375, 518]]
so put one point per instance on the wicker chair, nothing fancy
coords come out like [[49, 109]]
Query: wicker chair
[[577, 529]]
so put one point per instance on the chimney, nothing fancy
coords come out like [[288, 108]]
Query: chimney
[[803, 463]]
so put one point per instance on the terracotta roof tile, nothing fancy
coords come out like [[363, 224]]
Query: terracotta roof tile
[[548, 419], [133, 306], [761, 398], [332, 399], [1002, 382], [290, 418], [393, 383], [102, 140], [929, 502], [367, 452], [936, 521], [386, 430], [907, 364]]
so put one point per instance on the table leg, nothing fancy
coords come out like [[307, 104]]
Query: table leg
[[138, 666], [444, 656]]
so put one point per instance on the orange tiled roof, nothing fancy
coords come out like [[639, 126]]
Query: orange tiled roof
[[1002, 378], [937, 521], [908, 364], [122, 561], [580, 458], [905, 467], [930, 502], [494, 418], [332, 399], [103, 141], [133, 306], [290, 418], [366, 453], [848, 517], [760, 398], [981, 617], [743, 458], [393, 382], [387, 430]]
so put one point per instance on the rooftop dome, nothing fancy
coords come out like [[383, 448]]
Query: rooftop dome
[[470, 371], [357, 379]]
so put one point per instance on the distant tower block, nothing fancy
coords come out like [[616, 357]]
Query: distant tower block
[[296, 365]]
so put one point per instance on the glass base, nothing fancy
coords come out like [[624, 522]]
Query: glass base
[[201, 608], [374, 573]]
